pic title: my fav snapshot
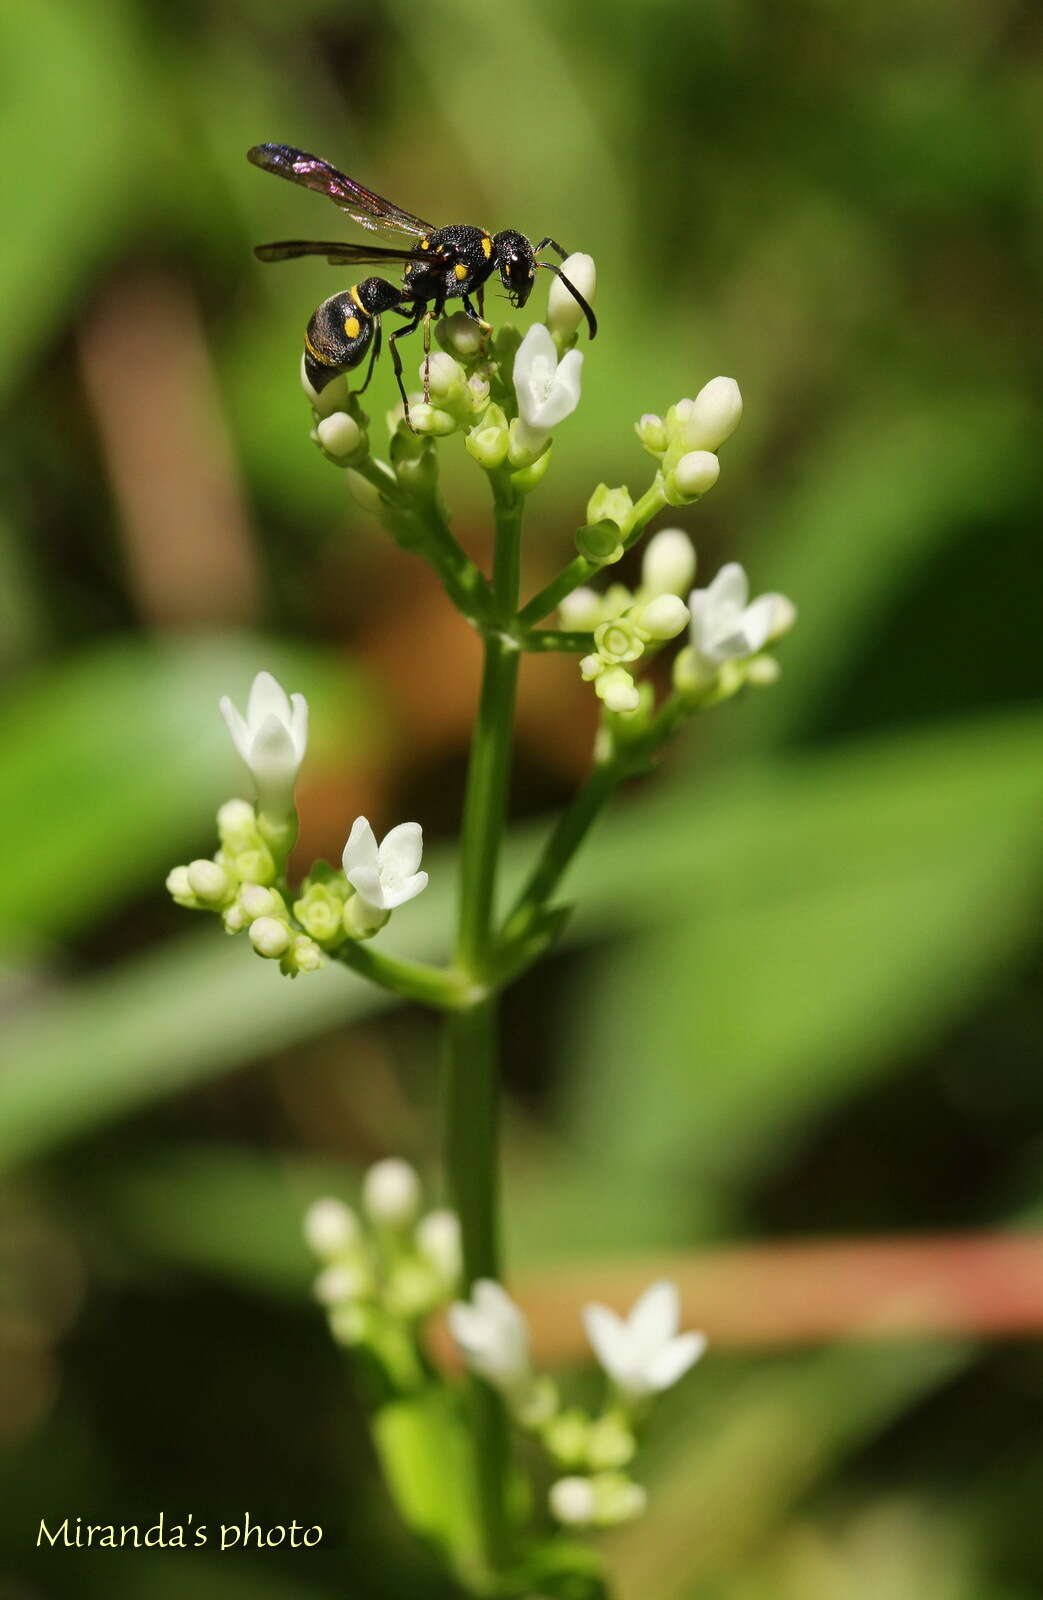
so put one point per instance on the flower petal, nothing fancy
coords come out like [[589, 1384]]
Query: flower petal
[[564, 394], [299, 724], [361, 848], [758, 620], [674, 1360], [267, 699], [401, 849], [274, 764], [610, 1341], [236, 727], [655, 1318], [405, 889], [366, 882], [730, 589]]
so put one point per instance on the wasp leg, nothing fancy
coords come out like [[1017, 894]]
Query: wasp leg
[[592, 321], [477, 316], [553, 244], [396, 360], [373, 354], [428, 318]]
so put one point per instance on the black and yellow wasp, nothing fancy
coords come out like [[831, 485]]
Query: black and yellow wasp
[[441, 264]]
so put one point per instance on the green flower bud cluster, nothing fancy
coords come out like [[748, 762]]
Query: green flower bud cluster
[[385, 1268], [625, 627], [240, 884], [686, 440]]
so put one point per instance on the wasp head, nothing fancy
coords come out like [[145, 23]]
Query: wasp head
[[516, 264]]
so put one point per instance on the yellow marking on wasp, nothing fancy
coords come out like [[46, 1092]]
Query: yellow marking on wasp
[[352, 327], [354, 292], [487, 246], [425, 244], [460, 270], [316, 354]]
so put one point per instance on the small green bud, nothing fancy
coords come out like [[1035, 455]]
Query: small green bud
[[253, 866], [536, 1403], [525, 479], [429, 419], [303, 955], [233, 919], [362, 921], [320, 912], [762, 671], [255, 900], [180, 890], [600, 543], [618, 690], [651, 430], [236, 820], [610, 1443], [581, 611], [566, 1437], [610, 505], [618, 640], [461, 336], [489, 441]]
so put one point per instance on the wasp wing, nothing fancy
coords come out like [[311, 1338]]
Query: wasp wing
[[338, 254], [369, 210]]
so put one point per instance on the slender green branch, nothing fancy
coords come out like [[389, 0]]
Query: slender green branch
[[538, 640], [412, 980], [580, 569]]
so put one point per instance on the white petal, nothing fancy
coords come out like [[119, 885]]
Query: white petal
[[610, 1340], [361, 848], [730, 589], [267, 699], [405, 890], [564, 396], [273, 762], [401, 849], [468, 1327], [299, 724], [758, 621], [674, 1359], [236, 727], [655, 1318], [366, 882]]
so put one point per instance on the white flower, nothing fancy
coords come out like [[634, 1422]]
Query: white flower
[[391, 1193], [491, 1334], [547, 389], [564, 312], [645, 1353], [668, 566], [385, 875], [726, 627], [271, 739]]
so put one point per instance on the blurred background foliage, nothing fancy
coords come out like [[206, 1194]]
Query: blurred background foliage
[[799, 996]]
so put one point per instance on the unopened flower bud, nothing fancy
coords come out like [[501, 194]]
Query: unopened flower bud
[[233, 918], [210, 882], [235, 818], [713, 416], [564, 312], [438, 1240], [693, 475], [430, 419], [618, 640], [442, 373], [257, 901], [668, 566], [651, 430], [489, 442], [269, 937], [391, 1193], [580, 610], [332, 397], [664, 617], [364, 493], [340, 1283], [304, 955], [572, 1502], [784, 617], [460, 335], [762, 672], [179, 887], [330, 1227], [339, 434], [618, 690]]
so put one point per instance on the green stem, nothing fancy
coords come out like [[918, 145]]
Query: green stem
[[567, 836], [538, 640], [412, 980], [471, 1097], [580, 569]]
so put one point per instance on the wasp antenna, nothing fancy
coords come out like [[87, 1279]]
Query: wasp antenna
[[592, 321]]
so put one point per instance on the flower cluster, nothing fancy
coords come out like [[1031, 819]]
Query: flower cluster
[[385, 1270], [641, 1355], [245, 881]]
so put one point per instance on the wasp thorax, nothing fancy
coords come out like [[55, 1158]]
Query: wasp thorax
[[516, 263], [377, 294]]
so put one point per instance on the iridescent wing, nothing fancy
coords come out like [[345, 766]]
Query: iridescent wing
[[369, 210], [338, 254]]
